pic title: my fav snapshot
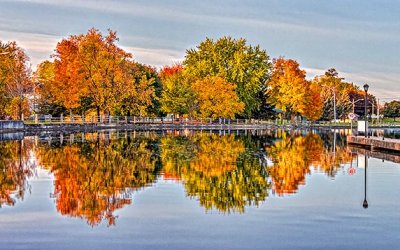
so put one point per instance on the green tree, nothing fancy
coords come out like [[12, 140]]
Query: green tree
[[245, 66], [177, 96], [392, 109]]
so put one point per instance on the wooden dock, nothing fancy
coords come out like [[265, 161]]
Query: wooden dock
[[375, 142]]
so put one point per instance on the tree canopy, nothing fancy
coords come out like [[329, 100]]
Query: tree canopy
[[245, 66]]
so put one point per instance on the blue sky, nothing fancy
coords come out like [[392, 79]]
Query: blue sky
[[360, 38]]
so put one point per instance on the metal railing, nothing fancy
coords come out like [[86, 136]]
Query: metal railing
[[124, 120]]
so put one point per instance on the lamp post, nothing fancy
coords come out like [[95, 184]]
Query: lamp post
[[365, 107]]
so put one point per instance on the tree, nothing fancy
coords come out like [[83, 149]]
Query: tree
[[334, 91], [141, 91], [288, 87], [15, 77], [44, 81], [245, 66], [177, 96], [313, 102], [392, 109], [217, 98], [91, 66]]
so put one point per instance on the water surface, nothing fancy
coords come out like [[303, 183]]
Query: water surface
[[201, 190]]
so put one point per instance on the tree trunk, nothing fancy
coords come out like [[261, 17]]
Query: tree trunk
[[20, 108]]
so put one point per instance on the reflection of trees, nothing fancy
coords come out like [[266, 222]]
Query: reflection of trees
[[293, 156], [216, 170], [93, 179], [290, 164], [15, 168]]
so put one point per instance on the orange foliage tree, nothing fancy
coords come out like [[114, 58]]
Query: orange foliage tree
[[90, 66], [287, 88], [217, 98]]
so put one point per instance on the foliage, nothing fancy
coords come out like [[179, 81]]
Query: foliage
[[217, 98], [44, 78], [15, 78], [288, 88], [177, 96], [314, 104], [333, 86], [140, 95], [245, 66], [392, 109], [17, 107]]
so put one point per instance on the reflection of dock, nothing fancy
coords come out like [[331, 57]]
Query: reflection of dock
[[387, 156], [375, 142]]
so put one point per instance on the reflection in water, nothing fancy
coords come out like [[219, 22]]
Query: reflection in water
[[293, 155], [215, 170], [94, 178], [97, 173], [15, 168], [365, 202]]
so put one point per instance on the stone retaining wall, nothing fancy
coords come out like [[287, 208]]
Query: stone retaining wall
[[11, 125]]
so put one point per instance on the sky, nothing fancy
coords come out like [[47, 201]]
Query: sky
[[359, 38]]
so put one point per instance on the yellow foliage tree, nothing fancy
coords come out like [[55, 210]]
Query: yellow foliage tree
[[217, 98], [288, 86]]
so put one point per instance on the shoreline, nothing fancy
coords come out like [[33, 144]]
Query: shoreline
[[90, 127]]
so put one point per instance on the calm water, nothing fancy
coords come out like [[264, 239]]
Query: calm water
[[196, 190]]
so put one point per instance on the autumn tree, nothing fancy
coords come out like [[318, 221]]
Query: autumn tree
[[217, 98], [245, 66], [15, 79], [288, 87], [314, 103], [177, 96], [91, 66], [334, 90], [141, 91], [46, 89]]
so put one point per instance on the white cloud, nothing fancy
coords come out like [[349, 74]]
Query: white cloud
[[38, 47], [155, 57]]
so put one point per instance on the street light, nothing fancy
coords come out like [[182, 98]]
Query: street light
[[366, 86]]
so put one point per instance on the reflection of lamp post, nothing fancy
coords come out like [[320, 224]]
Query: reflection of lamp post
[[365, 107], [365, 202]]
